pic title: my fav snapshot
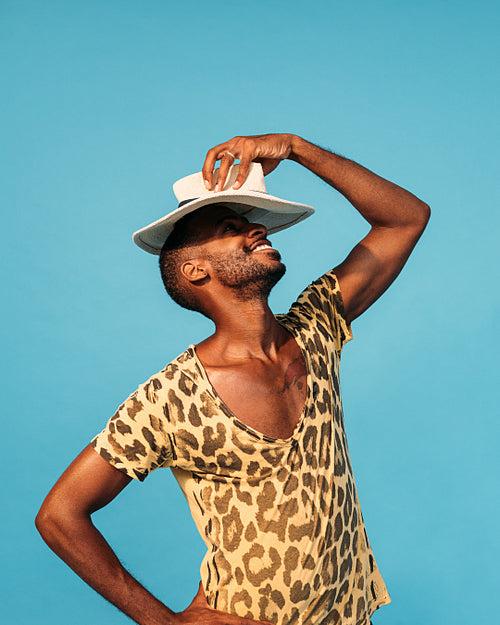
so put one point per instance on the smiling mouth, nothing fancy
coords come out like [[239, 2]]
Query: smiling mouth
[[263, 246]]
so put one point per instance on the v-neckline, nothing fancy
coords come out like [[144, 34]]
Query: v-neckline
[[241, 424]]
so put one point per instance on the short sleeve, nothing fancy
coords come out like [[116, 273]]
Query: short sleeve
[[136, 439], [321, 303]]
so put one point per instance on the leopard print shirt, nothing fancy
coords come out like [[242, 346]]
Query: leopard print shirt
[[280, 517]]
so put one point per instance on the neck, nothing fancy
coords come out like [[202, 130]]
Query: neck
[[245, 329]]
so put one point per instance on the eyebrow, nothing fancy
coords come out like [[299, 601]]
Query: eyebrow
[[226, 217]]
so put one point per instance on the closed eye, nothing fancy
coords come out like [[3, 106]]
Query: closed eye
[[231, 224]]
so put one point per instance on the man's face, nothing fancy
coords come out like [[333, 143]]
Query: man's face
[[238, 253]]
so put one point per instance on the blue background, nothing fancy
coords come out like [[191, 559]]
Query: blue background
[[105, 104]]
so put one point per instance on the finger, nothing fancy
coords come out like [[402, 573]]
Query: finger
[[226, 160], [242, 172], [208, 166]]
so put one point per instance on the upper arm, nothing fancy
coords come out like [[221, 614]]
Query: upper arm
[[88, 484], [373, 264]]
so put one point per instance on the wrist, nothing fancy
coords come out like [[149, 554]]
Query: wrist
[[296, 147]]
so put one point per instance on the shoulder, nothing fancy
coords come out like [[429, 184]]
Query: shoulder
[[324, 289], [319, 307], [177, 379], [137, 438], [181, 368]]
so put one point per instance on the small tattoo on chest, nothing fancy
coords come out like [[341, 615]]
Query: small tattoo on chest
[[293, 374]]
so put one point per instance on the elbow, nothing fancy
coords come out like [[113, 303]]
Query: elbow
[[59, 522], [45, 523], [421, 217], [50, 524], [425, 211]]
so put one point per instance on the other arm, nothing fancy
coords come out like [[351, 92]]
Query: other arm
[[64, 522], [397, 218]]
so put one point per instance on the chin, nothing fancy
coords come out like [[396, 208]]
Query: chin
[[276, 275]]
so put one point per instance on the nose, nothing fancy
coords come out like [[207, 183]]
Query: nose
[[256, 230]]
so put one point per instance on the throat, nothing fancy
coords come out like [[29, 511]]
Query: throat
[[243, 333]]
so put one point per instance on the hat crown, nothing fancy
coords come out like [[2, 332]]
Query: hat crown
[[191, 187]]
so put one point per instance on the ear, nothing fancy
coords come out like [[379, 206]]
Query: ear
[[194, 270]]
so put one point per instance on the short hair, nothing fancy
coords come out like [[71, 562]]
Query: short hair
[[174, 252]]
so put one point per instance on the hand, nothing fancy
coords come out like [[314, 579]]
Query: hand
[[200, 613], [269, 150]]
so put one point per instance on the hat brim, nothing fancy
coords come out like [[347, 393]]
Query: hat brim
[[258, 207]]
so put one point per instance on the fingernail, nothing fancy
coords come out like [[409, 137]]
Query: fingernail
[[217, 187], [207, 184], [236, 185]]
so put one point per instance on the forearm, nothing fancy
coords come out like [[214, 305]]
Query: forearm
[[84, 549], [382, 203], [64, 521]]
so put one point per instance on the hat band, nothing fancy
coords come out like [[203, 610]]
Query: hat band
[[184, 202], [187, 201]]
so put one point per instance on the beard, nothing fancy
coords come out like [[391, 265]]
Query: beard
[[249, 277]]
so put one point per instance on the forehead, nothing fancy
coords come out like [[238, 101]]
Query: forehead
[[206, 219]]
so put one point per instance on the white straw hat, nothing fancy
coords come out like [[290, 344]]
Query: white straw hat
[[250, 200]]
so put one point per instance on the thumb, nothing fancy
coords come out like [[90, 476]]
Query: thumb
[[268, 164]]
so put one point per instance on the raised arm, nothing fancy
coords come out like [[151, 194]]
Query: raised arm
[[64, 522], [397, 218]]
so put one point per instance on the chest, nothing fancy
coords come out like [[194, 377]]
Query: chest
[[268, 397]]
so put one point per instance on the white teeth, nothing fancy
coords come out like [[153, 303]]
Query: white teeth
[[264, 246]]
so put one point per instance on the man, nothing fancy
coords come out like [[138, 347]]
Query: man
[[250, 420]]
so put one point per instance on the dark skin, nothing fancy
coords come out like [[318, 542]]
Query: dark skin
[[253, 363], [249, 349]]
